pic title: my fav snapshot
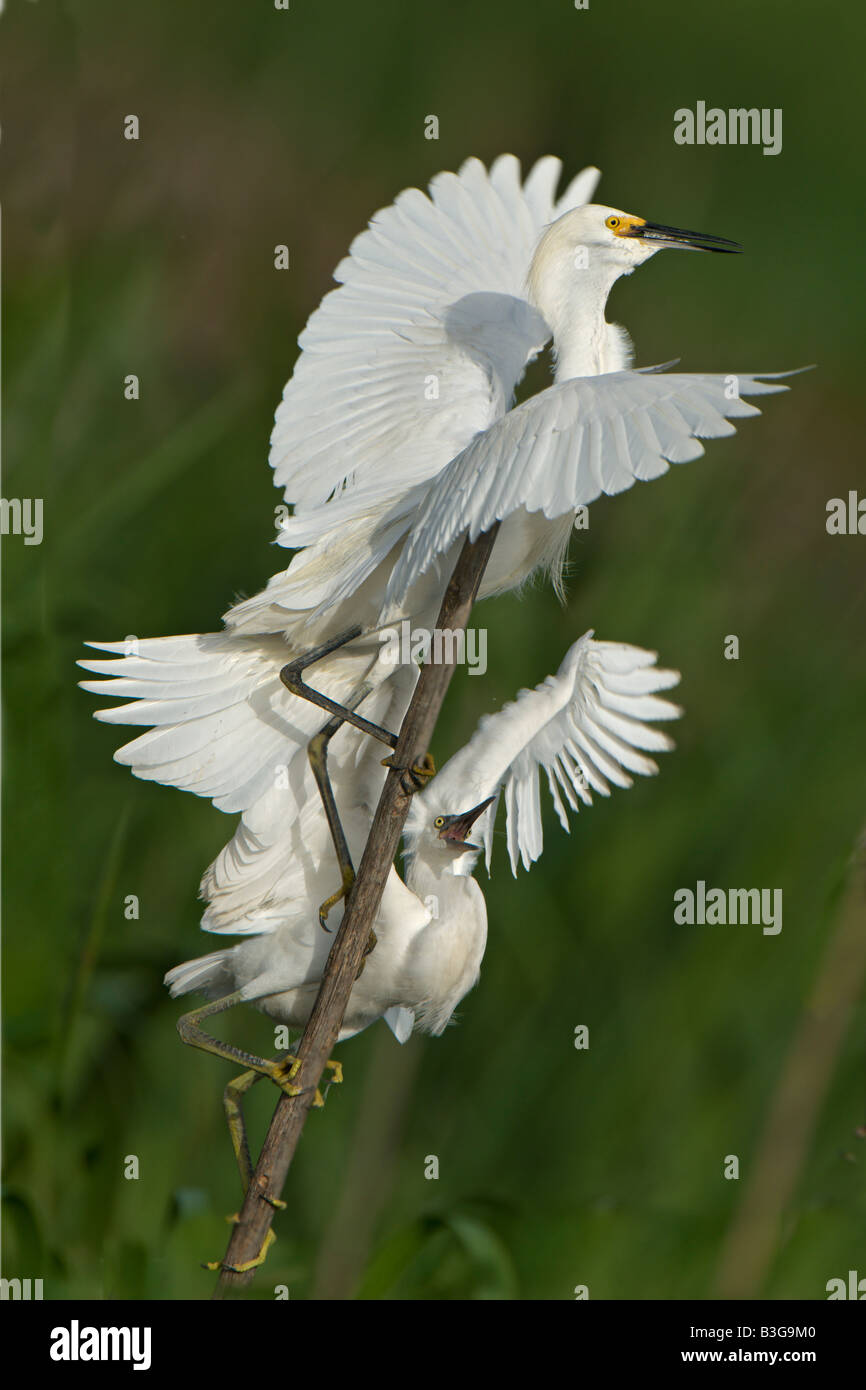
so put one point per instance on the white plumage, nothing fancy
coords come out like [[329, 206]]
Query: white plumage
[[355, 411], [585, 727], [563, 448], [224, 726], [396, 436]]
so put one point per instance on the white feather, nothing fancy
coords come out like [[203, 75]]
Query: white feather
[[585, 728]]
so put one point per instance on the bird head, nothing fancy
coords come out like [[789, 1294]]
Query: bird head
[[442, 837], [594, 235], [577, 261]]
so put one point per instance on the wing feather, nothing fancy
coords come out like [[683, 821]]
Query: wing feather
[[564, 447], [222, 724], [585, 728], [375, 342]]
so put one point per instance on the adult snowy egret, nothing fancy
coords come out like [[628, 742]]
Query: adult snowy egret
[[396, 432], [586, 728]]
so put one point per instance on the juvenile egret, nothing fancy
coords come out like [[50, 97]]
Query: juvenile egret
[[396, 436], [585, 727]]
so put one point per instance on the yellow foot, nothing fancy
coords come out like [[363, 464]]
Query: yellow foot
[[247, 1264], [416, 777], [341, 893], [284, 1077]]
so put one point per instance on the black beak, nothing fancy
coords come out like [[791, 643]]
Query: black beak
[[456, 828], [686, 241]]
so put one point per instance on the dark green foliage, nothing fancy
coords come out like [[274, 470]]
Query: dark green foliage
[[557, 1167]]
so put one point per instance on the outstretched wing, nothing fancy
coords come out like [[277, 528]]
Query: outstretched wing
[[564, 447], [424, 341], [586, 727], [222, 723]]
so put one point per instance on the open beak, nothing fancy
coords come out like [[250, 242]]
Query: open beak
[[674, 236], [456, 828]]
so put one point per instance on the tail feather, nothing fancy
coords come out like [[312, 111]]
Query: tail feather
[[206, 975]]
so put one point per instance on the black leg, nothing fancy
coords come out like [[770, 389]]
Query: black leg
[[317, 752], [292, 679]]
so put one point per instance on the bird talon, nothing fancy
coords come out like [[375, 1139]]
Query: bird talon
[[247, 1264], [413, 779], [284, 1079], [341, 893], [283, 1074]]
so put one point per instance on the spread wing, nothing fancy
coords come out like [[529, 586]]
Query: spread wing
[[564, 447], [585, 727], [222, 724], [425, 339]]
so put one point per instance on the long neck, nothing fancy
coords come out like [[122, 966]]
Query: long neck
[[437, 880], [450, 896], [580, 329], [572, 299]]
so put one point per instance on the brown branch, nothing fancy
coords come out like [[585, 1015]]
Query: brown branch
[[344, 960]]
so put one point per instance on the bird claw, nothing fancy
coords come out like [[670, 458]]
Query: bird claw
[[247, 1264], [284, 1080], [341, 893], [416, 777]]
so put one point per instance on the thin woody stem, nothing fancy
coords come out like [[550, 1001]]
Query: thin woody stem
[[322, 1030]]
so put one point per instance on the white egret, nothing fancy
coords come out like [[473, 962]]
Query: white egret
[[222, 691], [396, 434], [586, 728]]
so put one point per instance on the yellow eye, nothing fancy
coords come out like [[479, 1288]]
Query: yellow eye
[[439, 822], [612, 223]]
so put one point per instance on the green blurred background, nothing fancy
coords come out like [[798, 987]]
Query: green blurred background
[[556, 1167]]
